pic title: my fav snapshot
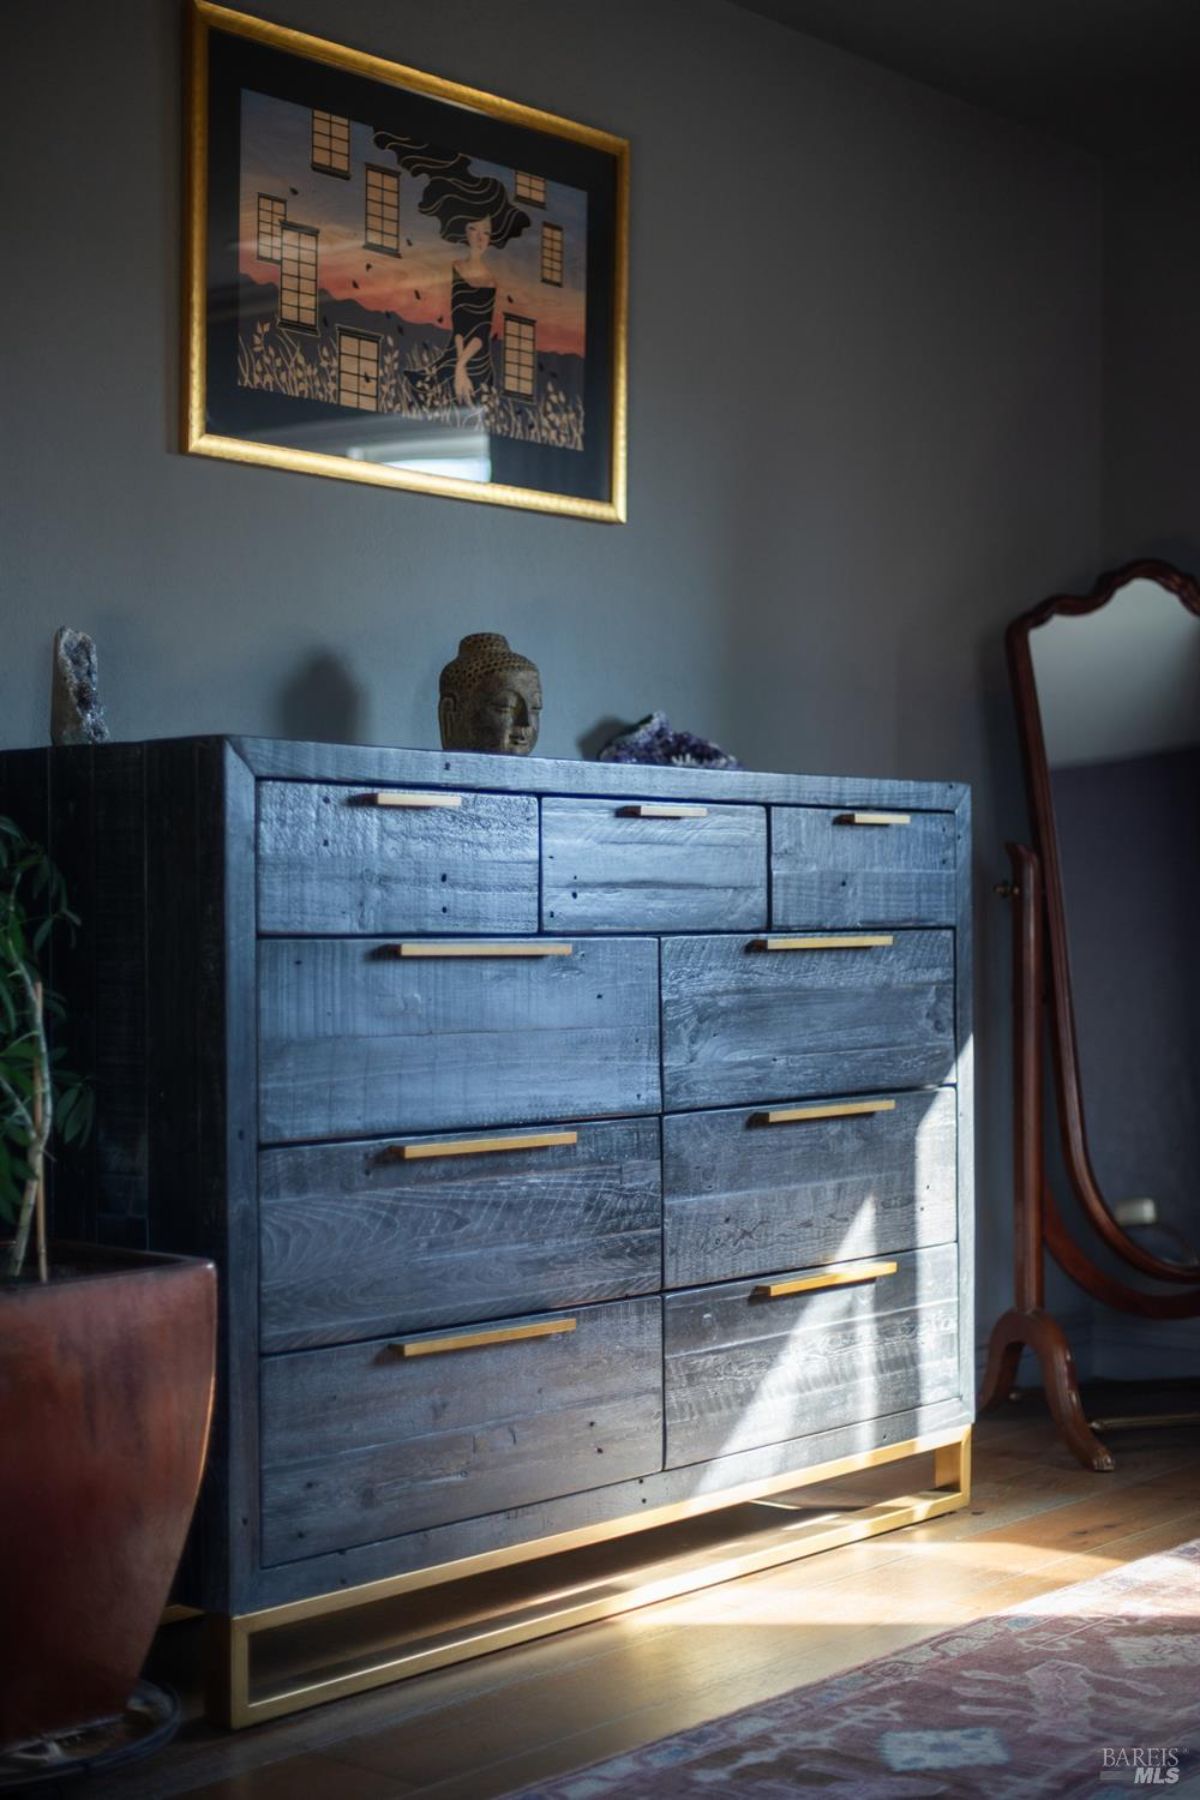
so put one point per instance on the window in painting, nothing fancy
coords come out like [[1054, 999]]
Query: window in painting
[[552, 255], [298, 276], [520, 356], [331, 144], [530, 188], [271, 214], [358, 369], [381, 227]]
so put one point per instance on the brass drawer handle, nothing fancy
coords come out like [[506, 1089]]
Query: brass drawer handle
[[846, 1109], [873, 818], [453, 949], [874, 940], [416, 801], [845, 1276], [652, 809], [534, 1140], [477, 1340]]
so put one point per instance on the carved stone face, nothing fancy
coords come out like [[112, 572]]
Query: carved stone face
[[500, 712]]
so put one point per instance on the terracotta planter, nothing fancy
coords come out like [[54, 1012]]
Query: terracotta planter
[[106, 1382]]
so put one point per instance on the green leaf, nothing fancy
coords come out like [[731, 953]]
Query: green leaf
[[66, 1113]]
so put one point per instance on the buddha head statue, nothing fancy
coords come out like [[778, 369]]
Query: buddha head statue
[[490, 698]]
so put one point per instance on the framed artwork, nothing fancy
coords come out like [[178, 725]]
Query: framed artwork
[[398, 280]]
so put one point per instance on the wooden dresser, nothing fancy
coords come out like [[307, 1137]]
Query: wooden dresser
[[583, 1148]]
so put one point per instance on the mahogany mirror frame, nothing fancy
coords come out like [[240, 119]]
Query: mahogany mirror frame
[[1062, 1029]]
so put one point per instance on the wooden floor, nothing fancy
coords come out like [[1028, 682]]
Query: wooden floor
[[1037, 1522]]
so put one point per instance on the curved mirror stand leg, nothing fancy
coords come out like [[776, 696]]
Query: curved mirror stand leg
[[1040, 1332], [1027, 1324]]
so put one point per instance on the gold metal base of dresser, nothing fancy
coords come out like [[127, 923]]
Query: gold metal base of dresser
[[266, 1664]]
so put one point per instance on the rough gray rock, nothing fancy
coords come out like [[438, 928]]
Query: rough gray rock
[[76, 715]]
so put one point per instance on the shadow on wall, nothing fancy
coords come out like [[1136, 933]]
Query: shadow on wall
[[591, 742], [322, 702]]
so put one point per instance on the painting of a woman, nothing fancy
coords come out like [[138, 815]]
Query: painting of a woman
[[474, 211]]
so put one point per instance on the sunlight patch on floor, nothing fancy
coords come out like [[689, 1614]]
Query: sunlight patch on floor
[[933, 1585]]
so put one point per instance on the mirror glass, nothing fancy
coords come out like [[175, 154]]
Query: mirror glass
[[1119, 695]]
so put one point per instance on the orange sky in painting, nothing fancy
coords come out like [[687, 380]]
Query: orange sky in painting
[[391, 285]]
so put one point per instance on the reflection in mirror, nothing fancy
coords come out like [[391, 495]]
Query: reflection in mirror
[[1119, 696]]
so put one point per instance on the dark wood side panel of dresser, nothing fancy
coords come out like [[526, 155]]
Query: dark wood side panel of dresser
[[155, 842]]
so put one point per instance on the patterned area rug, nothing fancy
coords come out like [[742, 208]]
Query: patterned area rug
[[1090, 1691]]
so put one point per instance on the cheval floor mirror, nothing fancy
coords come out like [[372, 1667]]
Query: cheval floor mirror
[[1106, 973]]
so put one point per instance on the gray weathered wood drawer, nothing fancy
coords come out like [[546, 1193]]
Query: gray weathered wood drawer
[[366, 1442], [357, 1040], [831, 867], [618, 865], [337, 860], [809, 1183], [743, 1369], [362, 1239], [756, 1019]]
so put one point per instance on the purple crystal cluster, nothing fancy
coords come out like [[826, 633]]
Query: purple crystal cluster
[[655, 740]]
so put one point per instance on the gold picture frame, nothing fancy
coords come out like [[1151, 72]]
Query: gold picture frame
[[293, 362]]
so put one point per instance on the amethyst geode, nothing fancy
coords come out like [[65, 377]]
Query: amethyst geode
[[655, 740]]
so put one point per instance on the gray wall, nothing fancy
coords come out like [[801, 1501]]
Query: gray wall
[[1152, 360], [830, 520]]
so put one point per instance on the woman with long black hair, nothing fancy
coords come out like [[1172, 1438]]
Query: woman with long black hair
[[476, 211]]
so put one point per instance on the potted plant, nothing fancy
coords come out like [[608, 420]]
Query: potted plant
[[106, 1374]]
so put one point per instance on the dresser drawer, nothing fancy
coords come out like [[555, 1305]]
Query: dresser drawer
[[337, 860], [362, 1239], [357, 1040], [619, 865], [792, 1187], [743, 1369], [831, 868], [757, 1019], [366, 1442]]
